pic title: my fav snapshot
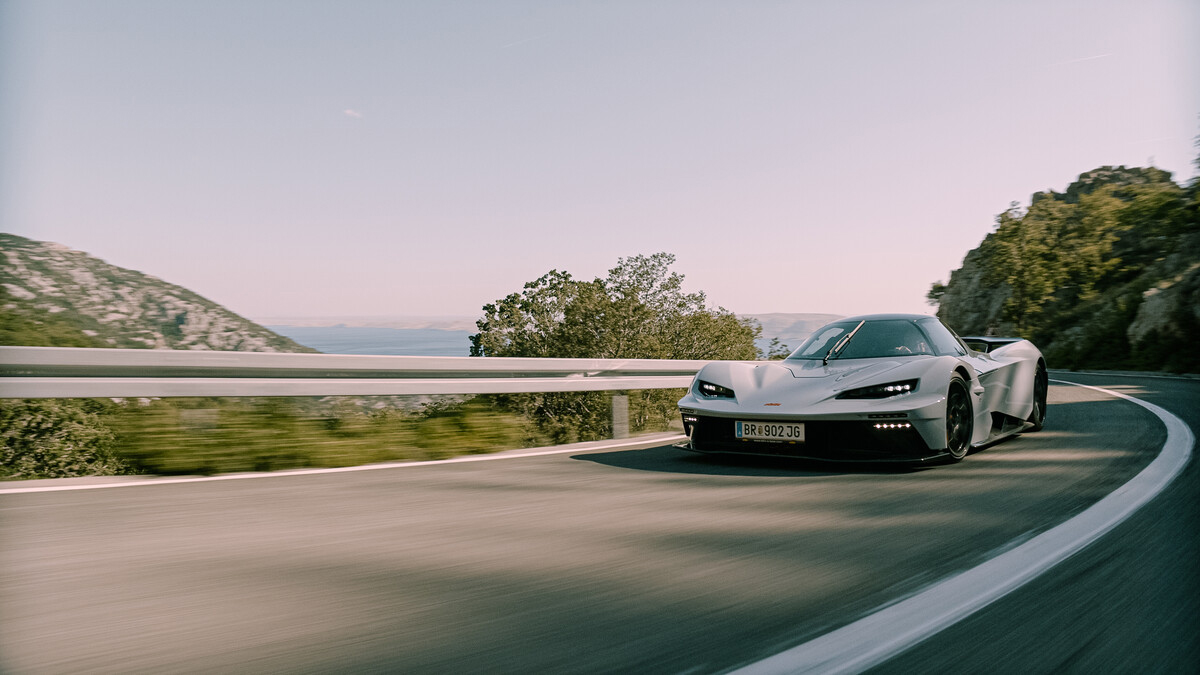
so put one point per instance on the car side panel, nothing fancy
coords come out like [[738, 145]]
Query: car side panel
[[1007, 377], [1021, 361]]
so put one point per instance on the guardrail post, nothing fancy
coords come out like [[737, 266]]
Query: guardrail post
[[620, 416]]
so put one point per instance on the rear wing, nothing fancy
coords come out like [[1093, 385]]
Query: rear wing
[[989, 344]]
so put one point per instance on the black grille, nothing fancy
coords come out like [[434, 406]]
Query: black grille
[[822, 440]]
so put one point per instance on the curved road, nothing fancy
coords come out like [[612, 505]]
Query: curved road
[[599, 561]]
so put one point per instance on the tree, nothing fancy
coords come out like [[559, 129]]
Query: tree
[[638, 311], [1021, 256], [936, 291], [522, 324]]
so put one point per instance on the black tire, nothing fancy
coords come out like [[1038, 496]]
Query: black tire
[[960, 421], [1041, 387]]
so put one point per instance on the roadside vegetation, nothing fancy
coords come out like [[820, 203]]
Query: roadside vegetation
[[638, 311], [206, 436], [88, 437], [52, 439]]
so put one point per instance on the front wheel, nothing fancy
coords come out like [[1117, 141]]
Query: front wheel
[[1041, 386], [959, 420]]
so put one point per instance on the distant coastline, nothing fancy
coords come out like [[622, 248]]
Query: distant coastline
[[343, 339]]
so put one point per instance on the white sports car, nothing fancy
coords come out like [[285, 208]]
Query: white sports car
[[883, 387]]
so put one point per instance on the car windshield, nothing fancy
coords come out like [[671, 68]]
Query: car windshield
[[887, 337]]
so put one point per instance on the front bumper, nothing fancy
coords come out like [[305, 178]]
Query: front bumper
[[836, 440]]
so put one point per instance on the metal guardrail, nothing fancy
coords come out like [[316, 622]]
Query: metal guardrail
[[68, 372]]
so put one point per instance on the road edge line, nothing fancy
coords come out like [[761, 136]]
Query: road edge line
[[877, 637]]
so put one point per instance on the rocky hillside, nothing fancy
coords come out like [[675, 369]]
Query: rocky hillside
[[57, 296], [1103, 275]]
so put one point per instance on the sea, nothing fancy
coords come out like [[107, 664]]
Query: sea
[[371, 340]]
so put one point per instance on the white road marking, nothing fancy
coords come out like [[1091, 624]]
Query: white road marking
[[1185, 377], [581, 447], [888, 632]]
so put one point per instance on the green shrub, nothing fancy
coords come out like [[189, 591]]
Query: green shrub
[[57, 439]]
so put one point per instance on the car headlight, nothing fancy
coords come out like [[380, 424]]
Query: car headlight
[[882, 390], [714, 390]]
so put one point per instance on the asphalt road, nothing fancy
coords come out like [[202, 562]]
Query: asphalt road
[[646, 560]]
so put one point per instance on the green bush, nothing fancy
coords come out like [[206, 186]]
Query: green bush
[[56, 439]]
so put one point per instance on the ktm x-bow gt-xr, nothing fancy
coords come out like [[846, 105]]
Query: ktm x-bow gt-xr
[[883, 387]]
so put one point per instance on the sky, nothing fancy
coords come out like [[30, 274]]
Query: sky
[[305, 158]]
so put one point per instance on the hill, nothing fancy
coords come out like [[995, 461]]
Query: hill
[[1105, 274], [56, 296]]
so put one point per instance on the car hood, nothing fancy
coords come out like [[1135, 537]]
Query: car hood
[[785, 385]]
